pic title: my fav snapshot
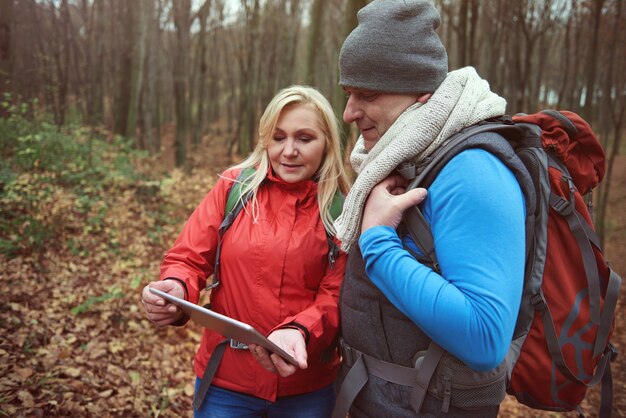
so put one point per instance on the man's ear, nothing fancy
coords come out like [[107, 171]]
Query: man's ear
[[424, 97]]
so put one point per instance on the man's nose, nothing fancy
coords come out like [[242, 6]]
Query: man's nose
[[352, 111]]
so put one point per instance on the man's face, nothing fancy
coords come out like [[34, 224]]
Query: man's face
[[374, 112]]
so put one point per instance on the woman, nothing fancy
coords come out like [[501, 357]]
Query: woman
[[275, 270]]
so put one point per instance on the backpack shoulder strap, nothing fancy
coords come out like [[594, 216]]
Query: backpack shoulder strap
[[515, 134], [235, 202], [234, 194], [336, 205]]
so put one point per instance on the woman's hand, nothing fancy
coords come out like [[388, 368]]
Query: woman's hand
[[292, 342], [387, 202], [158, 310]]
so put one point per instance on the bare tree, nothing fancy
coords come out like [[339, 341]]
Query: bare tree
[[216, 99], [533, 18], [150, 121], [317, 8], [461, 18], [567, 56], [140, 36], [248, 54], [128, 13], [614, 94], [591, 71], [181, 11], [6, 56], [94, 60]]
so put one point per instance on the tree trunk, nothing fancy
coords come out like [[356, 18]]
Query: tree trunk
[[182, 22], [313, 42], [6, 54], [247, 99], [94, 61], [141, 20], [122, 108], [591, 60], [201, 69], [461, 42], [616, 108], [148, 99], [566, 58]]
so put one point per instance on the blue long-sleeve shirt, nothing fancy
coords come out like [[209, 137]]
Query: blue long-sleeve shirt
[[476, 211]]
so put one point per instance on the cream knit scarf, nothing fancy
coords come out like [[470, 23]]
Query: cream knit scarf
[[463, 99]]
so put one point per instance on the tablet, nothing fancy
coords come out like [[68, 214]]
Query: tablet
[[228, 327]]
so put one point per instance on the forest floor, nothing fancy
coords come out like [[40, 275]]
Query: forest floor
[[74, 340]]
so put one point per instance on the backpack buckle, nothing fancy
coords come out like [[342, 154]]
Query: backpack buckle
[[562, 206], [212, 285], [238, 345], [538, 302], [612, 351], [346, 352], [406, 170]]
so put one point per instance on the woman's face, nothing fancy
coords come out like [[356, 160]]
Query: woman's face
[[297, 145]]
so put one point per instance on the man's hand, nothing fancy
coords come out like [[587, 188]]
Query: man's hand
[[158, 310], [387, 202], [290, 340]]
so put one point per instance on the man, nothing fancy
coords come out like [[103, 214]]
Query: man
[[394, 68]]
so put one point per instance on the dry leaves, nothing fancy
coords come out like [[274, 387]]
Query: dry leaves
[[74, 340]]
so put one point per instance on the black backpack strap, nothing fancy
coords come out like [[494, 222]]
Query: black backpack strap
[[362, 365], [420, 232], [353, 382], [413, 218], [606, 395], [211, 368], [209, 372]]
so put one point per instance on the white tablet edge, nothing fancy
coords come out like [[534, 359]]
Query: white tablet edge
[[225, 325]]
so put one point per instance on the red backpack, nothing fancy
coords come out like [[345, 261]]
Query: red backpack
[[561, 342]]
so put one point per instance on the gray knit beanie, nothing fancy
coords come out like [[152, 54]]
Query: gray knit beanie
[[394, 48]]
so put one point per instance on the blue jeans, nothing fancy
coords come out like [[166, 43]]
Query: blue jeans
[[222, 403]]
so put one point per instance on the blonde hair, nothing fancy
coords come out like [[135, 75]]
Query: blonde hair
[[331, 176]]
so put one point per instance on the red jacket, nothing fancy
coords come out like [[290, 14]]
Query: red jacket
[[273, 272]]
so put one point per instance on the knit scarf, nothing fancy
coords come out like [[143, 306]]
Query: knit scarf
[[463, 99]]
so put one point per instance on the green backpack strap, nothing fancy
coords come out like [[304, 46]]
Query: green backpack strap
[[234, 204], [336, 205], [234, 194]]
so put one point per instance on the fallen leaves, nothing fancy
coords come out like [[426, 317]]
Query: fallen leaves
[[73, 337]]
